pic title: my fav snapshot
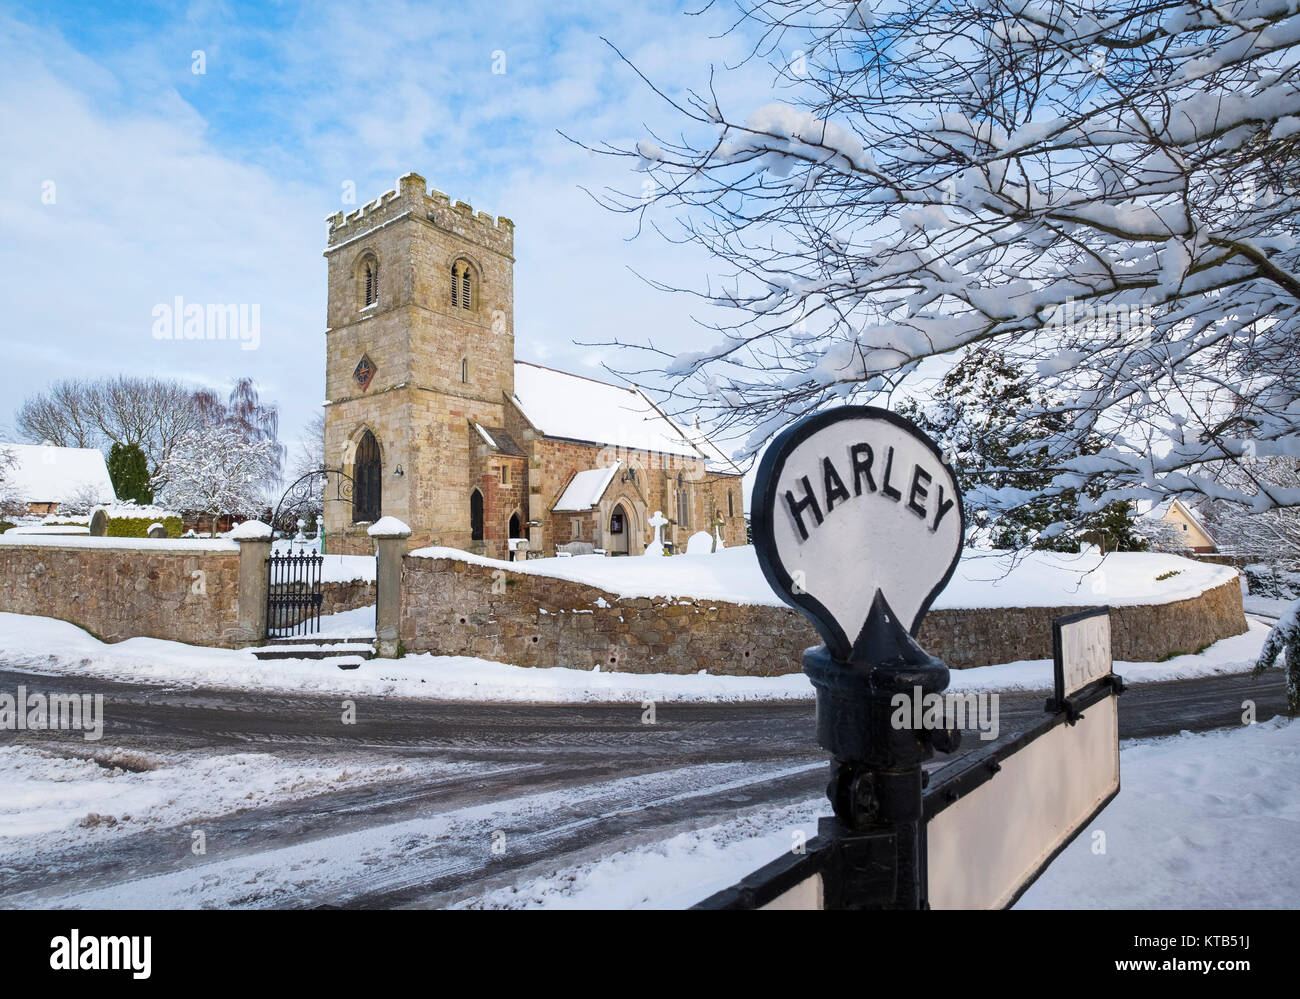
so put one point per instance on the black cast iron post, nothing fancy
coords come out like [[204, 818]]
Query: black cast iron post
[[852, 507], [876, 779]]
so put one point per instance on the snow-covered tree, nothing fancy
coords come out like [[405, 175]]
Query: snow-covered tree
[[10, 502], [1162, 536], [1284, 641], [311, 449], [1272, 536], [219, 470], [152, 414], [255, 419], [1105, 190], [82, 501], [975, 414]]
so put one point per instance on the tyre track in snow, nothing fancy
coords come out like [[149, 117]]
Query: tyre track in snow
[[533, 768]]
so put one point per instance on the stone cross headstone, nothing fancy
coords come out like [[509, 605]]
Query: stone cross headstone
[[657, 521]]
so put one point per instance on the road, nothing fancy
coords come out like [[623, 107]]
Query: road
[[559, 785]]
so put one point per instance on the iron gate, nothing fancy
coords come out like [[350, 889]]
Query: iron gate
[[293, 594]]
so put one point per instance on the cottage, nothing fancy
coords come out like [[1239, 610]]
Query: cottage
[[44, 478]]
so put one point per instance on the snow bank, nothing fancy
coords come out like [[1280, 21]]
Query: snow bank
[[43, 644], [996, 579], [58, 529], [137, 544]]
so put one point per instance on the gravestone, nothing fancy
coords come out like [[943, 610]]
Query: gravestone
[[700, 543], [657, 521]]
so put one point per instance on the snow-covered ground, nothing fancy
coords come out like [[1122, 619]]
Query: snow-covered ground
[[47, 645], [982, 579], [359, 860], [673, 874], [356, 623], [1203, 821], [1271, 607], [53, 796]]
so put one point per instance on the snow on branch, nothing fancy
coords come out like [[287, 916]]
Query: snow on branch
[[1106, 193]]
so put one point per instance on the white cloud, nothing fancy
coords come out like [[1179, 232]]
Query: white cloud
[[215, 187]]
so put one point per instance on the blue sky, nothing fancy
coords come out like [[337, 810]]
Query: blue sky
[[215, 186]]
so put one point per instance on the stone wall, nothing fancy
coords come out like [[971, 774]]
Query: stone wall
[[347, 596], [449, 608], [1139, 633], [117, 592]]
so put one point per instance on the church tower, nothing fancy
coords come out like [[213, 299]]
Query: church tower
[[419, 354]]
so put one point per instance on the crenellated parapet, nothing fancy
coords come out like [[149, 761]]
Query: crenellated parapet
[[411, 198]]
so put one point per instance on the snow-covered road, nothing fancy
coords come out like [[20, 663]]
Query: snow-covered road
[[422, 802]]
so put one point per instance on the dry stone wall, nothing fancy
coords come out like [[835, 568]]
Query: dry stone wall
[[187, 595], [451, 607]]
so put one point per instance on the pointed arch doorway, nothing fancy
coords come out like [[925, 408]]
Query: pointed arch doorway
[[618, 530]]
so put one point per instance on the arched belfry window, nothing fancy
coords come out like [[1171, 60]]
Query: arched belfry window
[[462, 285], [369, 278], [476, 516], [366, 481]]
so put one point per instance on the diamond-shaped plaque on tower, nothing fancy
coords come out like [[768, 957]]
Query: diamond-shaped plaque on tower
[[364, 373]]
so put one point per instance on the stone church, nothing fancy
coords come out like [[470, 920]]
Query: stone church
[[436, 423]]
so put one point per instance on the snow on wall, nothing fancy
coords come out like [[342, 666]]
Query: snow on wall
[[658, 615], [1036, 579], [134, 544]]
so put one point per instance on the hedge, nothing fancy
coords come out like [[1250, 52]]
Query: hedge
[[138, 527]]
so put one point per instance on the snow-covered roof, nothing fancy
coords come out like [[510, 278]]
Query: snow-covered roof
[[585, 489], [578, 408], [43, 473]]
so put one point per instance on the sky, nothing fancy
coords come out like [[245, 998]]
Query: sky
[[152, 151]]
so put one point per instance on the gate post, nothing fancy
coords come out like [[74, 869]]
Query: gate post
[[254, 539], [390, 536]]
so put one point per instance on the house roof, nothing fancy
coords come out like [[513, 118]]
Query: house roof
[[585, 489], [574, 407], [1161, 510], [43, 473]]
